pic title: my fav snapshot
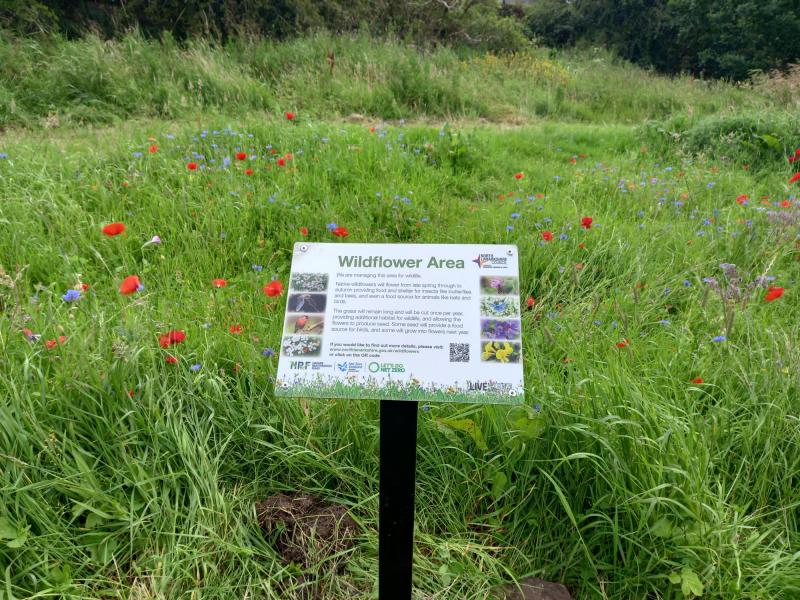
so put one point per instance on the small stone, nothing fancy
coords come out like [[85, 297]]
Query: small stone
[[534, 588]]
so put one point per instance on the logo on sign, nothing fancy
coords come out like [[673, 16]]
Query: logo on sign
[[299, 364], [375, 367], [487, 386], [349, 367], [491, 261]]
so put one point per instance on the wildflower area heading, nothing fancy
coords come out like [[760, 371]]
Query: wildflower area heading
[[381, 262]]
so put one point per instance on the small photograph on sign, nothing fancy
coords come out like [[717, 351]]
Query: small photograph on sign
[[500, 329], [305, 324], [500, 286], [307, 303], [501, 352], [309, 282], [499, 306], [301, 345]]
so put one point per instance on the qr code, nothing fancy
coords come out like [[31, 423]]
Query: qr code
[[459, 352]]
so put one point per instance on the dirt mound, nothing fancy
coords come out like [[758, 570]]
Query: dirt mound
[[306, 530]]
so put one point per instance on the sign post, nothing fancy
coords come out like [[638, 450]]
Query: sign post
[[403, 324], [396, 513]]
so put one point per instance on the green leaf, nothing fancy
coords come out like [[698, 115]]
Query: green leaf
[[7, 531], [18, 542], [674, 578], [690, 583], [662, 528], [469, 427], [499, 484]]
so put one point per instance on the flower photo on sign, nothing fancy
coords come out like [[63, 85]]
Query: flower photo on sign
[[499, 307], [309, 282], [301, 345], [494, 285], [502, 352]]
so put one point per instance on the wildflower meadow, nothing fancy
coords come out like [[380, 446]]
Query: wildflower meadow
[[144, 276]]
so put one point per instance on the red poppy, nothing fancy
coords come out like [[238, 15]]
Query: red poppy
[[288, 156], [125, 184], [697, 380], [773, 293], [131, 393], [742, 199], [129, 285], [547, 236], [219, 283], [176, 336], [340, 232], [586, 222], [153, 149], [84, 286], [289, 115], [241, 155], [273, 288], [113, 229], [304, 231], [248, 171], [235, 328], [191, 166], [786, 204], [519, 175], [797, 153], [372, 130], [530, 301], [170, 359], [281, 162], [582, 246], [795, 177], [623, 343], [792, 158]]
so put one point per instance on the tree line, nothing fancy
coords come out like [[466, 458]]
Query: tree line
[[711, 38]]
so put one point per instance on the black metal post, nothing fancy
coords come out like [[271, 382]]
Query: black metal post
[[397, 482]]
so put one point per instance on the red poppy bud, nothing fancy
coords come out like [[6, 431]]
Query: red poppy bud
[[153, 149], [219, 283], [113, 229], [273, 288], [519, 175], [129, 285], [698, 380], [192, 166], [241, 155], [773, 293], [289, 115], [304, 231]]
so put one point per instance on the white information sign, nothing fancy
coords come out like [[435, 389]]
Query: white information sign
[[423, 322]]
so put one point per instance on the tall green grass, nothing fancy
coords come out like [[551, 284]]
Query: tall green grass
[[629, 482], [48, 82]]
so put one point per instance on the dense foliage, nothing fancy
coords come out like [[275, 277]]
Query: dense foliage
[[716, 38], [472, 22]]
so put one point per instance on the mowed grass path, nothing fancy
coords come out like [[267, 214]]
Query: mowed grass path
[[122, 473]]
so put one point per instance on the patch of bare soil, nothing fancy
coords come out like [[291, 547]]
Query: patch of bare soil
[[306, 530]]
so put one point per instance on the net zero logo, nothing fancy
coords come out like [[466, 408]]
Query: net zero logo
[[376, 367]]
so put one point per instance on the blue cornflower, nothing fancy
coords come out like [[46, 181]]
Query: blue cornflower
[[331, 226], [556, 178], [257, 268], [509, 228], [226, 162], [687, 283], [710, 185], [719, 338], [597, 322], [268, 352], [3, 154], [71, 296], [515, 215], [137, 154], [537, 407], [424, 219], [665, 322], [195, 367], [563, 236]]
